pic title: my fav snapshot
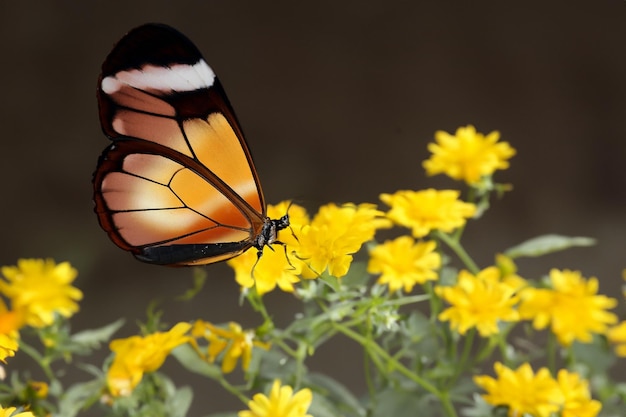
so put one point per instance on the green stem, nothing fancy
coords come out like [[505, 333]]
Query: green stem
[[459, 250], [551, 353], [233, 390], [467, 349], [373, 347], [42, 361], [258, 305]]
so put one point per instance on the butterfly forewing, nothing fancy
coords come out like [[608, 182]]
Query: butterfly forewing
[[177, 186]]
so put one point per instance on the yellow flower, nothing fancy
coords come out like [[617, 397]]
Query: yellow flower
[[571, 307], [274, 268], [8, 347], [39, 388], [8, 412], [40, 288], [282, 402], [577, 399], [479, 301], [234, 342], [522, 391], [10, 323], [468, 155], [335, 233], [617, 336], [427, 210], [138, 354], [403, 263]]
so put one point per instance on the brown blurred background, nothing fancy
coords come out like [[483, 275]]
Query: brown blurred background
[[338, 101]]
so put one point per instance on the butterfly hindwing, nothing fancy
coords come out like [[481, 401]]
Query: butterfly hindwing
[[177, 185]]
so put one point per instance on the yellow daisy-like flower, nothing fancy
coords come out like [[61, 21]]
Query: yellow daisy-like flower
[[273, 268], [479, 301], [8, 347], [617, 336], [403, 263], [136, 355], [234, 342], [572, 307], [335, 233], [8, 412], [468, 155], [10, 323], [40, 288], [577, 398], [427, 210], [282, 402], [522, 391]]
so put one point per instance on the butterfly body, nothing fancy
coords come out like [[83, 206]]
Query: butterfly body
[[177, 186]]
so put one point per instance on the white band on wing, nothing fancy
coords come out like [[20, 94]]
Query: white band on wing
[[178, 77]]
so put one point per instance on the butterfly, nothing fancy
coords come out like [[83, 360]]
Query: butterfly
[[177, 185]]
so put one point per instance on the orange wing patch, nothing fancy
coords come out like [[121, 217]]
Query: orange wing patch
[[155, 200], [217, 147]]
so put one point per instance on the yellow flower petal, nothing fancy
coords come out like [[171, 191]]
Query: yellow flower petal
[[138, 354], [403, 263], [282, 402], [428, 210], [468, 155], [335, 234], [572, 308], [40, 288], [479, 301], [522, 390]]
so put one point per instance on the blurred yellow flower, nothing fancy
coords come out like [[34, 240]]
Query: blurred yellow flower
[[479, 301], [282, 402], [522, 391], [273, 268], [40, 288], [8, 347], [427, 210], [571, 307], [335, 233], [138, 354], [10, 323], [8, 412], [234, 342], [617, 336], [577, 398], [467, 155], [403, 263], [39, 388]]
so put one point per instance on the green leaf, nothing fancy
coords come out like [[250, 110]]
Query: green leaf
[[178, 404], [93, 338], [545, 244], [334, 399], [79, 396], [189, 358], [357, 276], [399, 403]]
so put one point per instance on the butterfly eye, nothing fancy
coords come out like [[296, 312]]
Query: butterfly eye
[[177, 185]]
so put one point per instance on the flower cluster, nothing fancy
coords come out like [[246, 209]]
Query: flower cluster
[[539, 394], [434, 357], [38, 291], [325, 244]]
